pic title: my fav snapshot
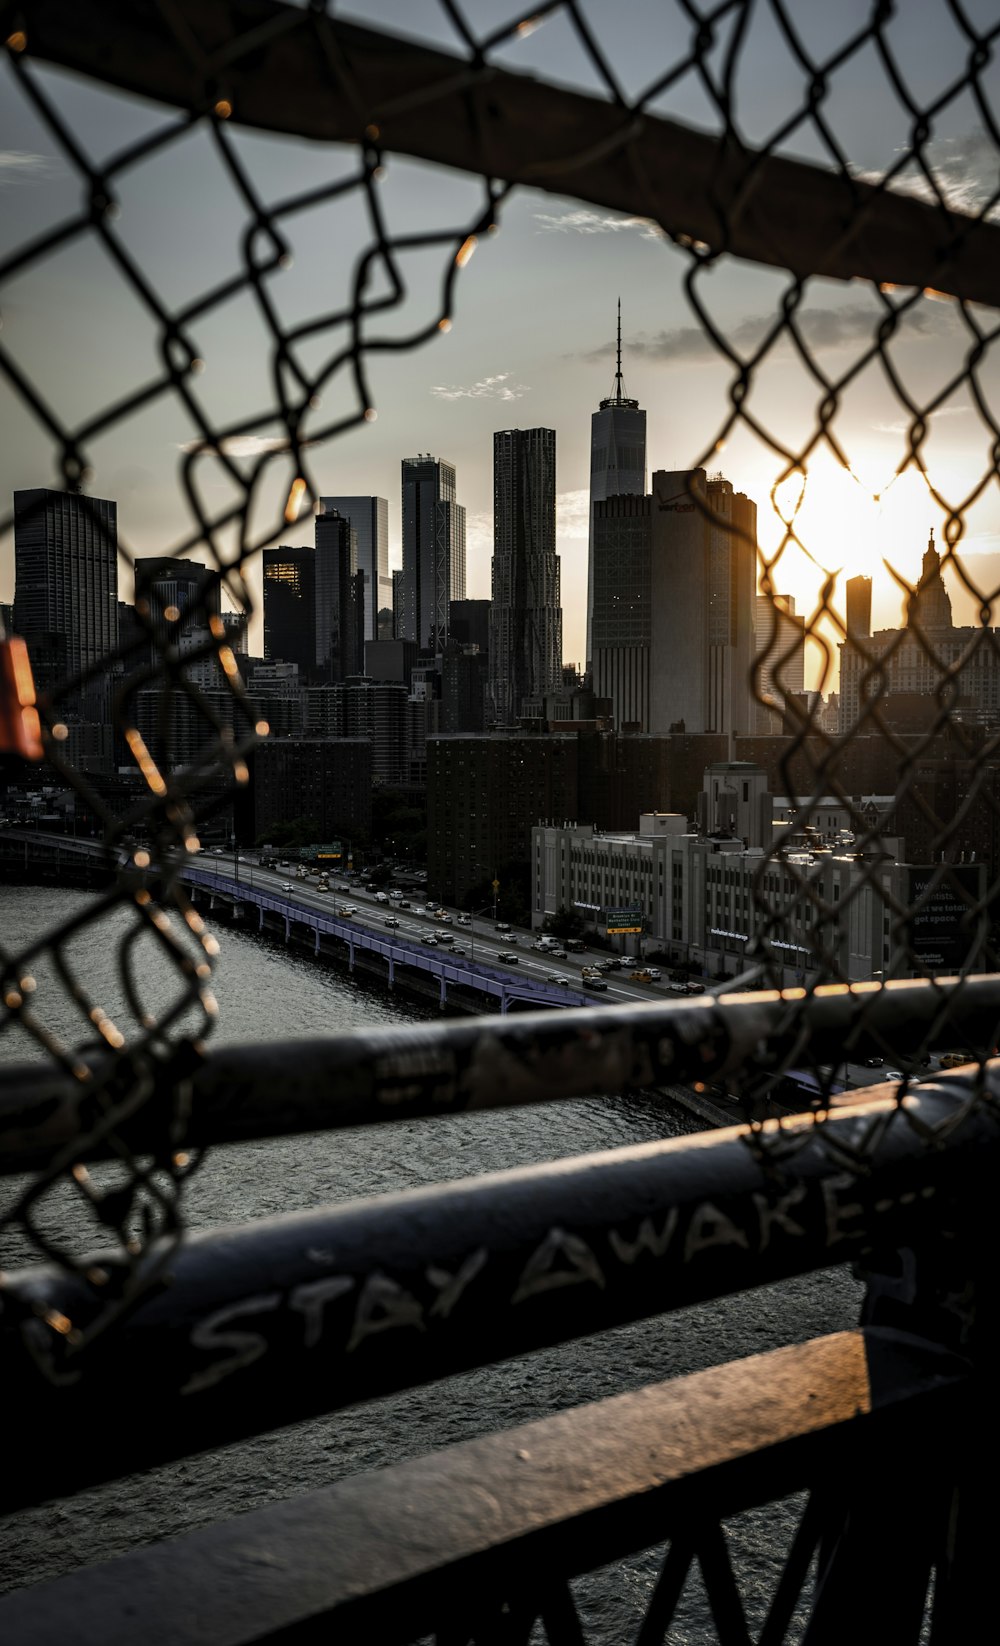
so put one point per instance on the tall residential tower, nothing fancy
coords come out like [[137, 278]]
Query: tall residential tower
[[370, 518], [433, 550], [66, 585], [704, 608], [526, 619]]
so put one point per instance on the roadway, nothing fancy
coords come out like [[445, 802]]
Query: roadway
[[479, 941]]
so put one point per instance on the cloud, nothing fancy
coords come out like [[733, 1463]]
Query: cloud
[[573, 513], [572, 522], [18, 166], [241, 445], [821, 329], [902, 424], [594, 222], [479, 533], [498, 387], [964, 169]]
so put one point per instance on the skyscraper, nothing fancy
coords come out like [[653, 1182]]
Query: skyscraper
[[178, 589], [859, 607], [622, 607], [339, 597], [370, 518], [290, 607], [617, 463], [929, 607], [66, 584], [433, 550], [526, 620], [703, 588], [781, 635]]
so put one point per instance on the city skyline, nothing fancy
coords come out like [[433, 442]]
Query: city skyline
[[532, 338]]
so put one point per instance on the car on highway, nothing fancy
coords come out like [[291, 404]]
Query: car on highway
[[557, 954], [390, 920], [874, 1062], [430, 942], [655, 973], [596, 983], [432, 908], [556, 977], [611, 965], [510, 959], [286, 885], [404, 903], [349, 908], [443, 918], [465, 920], [501, 926], [458, 949]]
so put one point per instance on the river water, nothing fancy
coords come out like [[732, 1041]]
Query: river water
[[265, 993]]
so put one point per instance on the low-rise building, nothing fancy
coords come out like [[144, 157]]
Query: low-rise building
[[812, 907], [575, 867]]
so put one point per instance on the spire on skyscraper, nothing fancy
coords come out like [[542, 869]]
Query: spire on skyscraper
[[929, 606], [619, 397]]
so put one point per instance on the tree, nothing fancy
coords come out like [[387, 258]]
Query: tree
[[300, 831], [513, 900], [399, 824], [564, 923]]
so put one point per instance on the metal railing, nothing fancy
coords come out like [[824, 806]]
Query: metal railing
[[248, 1328]]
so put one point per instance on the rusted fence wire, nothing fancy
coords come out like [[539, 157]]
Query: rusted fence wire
[[919, 706]]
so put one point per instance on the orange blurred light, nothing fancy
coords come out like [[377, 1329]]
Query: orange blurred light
[[295, 497], [20, 727], [147, 765]]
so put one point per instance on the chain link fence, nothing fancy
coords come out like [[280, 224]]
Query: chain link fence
[[911, 751]]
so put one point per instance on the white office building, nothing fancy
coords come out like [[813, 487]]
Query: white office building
[[816, 909]]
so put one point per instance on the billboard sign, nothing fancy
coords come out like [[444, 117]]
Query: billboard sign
[[624, 920], [942, 931]]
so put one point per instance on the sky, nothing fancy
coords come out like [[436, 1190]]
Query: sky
[[532, 337]]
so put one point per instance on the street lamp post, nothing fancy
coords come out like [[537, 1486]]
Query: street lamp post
[[472, 926]]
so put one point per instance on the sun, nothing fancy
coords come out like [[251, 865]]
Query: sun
[[842, 523]]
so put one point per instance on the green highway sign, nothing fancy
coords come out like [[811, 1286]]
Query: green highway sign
[[623, 920]]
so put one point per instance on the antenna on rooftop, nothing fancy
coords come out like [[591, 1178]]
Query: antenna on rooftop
[[619, 397], [619, 385]]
